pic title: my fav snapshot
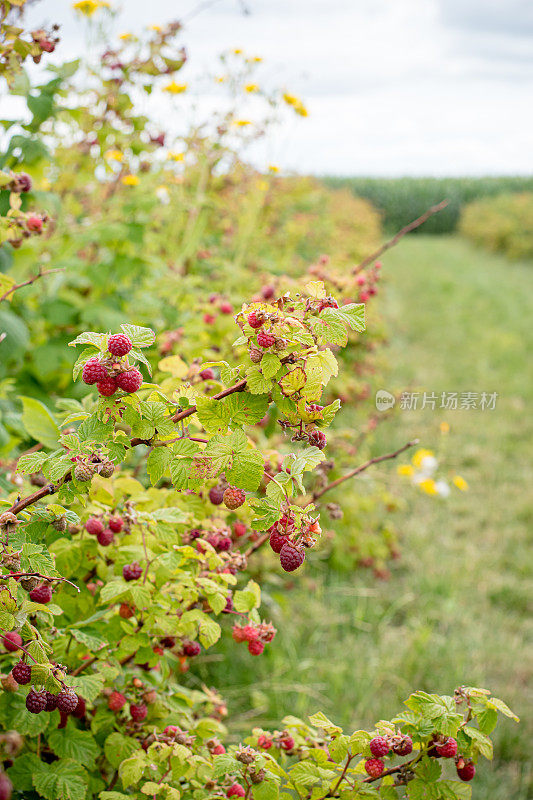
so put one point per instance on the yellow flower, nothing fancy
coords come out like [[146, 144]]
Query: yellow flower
[[130, 180], [251, 87], [241, 123], [428, 486], [89, 7], [461, 484], [175, 156], [175, 88], [262, 186], [295, 103], [420, 455], [156, 28], [405, 469], [257, 59], [114, 155], [444, 427], [237, 51], [220, 79], [272, 168], [125, 36]]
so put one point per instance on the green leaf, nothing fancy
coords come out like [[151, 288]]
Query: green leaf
[[270, 365], [320, 720], [70, 742], [118, 747], [247, 470], [39, 422], [22, 771], [156, 463], [87, 686], [99, 340], [30, 462], [61, 780], [131, 769], [36, 558], [266, 790], [245, 408], [140, 337], [213, 414], [256, 381]]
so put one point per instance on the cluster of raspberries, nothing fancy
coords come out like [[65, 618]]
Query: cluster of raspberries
[[256, 636], [402, 745], [66, 701], [291, 553], [107, 374], [231, 496], [283, 740], [116, 702], [105, 534], [366, 281]]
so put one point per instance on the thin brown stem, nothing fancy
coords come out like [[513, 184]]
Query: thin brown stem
[[49, 578], [362, 468], [41, 274], [396, 238]]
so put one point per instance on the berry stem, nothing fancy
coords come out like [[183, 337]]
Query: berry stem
[[37, 575], [41, 274]]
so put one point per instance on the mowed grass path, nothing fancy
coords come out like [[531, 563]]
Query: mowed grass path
[[458, 606]]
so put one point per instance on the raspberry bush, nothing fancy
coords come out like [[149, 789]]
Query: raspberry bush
[[142, 499]]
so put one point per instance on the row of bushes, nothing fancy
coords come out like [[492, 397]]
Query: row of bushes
[[503, 224], [401, 200]]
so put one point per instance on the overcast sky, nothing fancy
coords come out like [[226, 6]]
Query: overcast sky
[[417, 87]]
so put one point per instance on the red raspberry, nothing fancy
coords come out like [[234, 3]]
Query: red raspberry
[[35, 701], [107, 387], [216, 495], [119, 344], [41, 594], [94, 526], [93, 372], [287, 743], [218, 750], [22, 673], [12, 641], [328, 302], [132, 572], [116, 701], [67, 700], [138, 712], [404, 746], [374, 767], [79, 711], [447, 749], [171, 730], [207, 374], [254, 321], [256, 647], [239, 529], [236, 790], [277, 540], [105, 537], [467, 772], [245, 634], [35, 224], [265, 339], [168, 641], [363, 296], [226, 308], [268, 292], [130, 381], [6, 787], [291, 557], [228, 608], [209, 319], [116, 524], [23, 181], [191, 649], [126, 611], [379, 746], [51, 702], [233, 497], [224, 544], [264, 742], [317, 439]]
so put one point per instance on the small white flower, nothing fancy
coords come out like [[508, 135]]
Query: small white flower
[[429, 464], [162, 195], [442, 488]]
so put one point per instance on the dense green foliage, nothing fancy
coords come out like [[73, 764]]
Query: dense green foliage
[[401, 200], [503, 224]]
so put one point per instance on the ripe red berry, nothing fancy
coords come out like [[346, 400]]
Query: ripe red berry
[[374, 767], [107, 387], [51, 701], [34, 223], [467, 772], [404, 746], [191, 649], [379, 746], [447, 749], [22, 673], [126, 611], [233, 497], [291, 557], [267, 292], [93, 372], [80, 709], [116, 524], [236, 790], [277, 540], [216, 495], [254, 321], [265, 339], [226, 308], [116, 701], [218, 750], [119, 344], [130, 381], [317, 439], [105, 537], [207, 374], [94, 526], [132, 572], [67, 700], [287, 743], [138, 712], [256, 647], [41, 594], [209, 319], [245, 634], [264, 742], [239, 529], [35, 701], [12, 641], [6, 787]]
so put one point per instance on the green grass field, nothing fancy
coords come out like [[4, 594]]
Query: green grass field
[[456, 608]]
